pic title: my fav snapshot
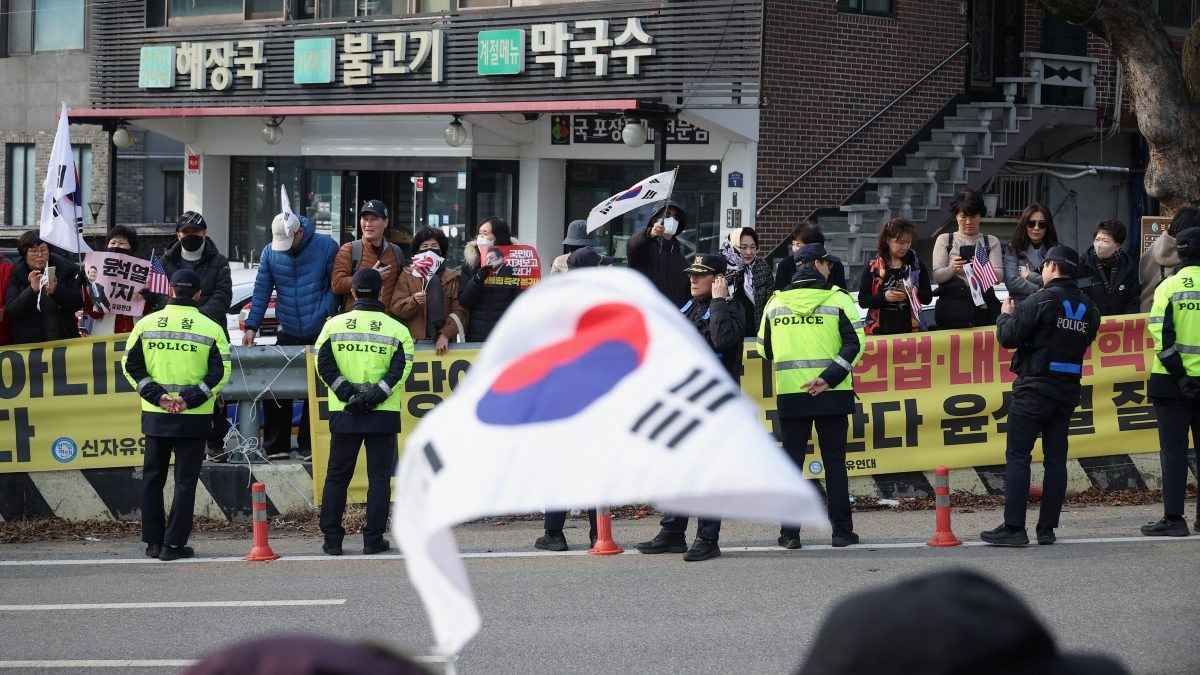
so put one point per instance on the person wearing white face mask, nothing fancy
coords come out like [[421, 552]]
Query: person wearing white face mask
[[1114, 288], [656, 252], [479, 294]]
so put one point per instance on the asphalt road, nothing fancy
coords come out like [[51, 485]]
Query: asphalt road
[[755, 609]]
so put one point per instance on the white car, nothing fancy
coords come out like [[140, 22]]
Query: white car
[[239, 309]]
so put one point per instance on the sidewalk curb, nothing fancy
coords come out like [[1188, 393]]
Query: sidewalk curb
[[224, 493]]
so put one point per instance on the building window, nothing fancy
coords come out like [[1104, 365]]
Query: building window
[[83, 167], [172, 195], [1177, 14], [22, 165], [869, 7], [45, 25]]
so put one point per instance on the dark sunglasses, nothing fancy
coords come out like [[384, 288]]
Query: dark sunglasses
[[1036, 225]]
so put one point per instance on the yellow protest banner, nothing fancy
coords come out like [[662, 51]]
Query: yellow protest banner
[[925, 399], [941, 399], [66, 405]]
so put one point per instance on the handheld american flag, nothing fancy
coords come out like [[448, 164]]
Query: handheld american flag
[[982, 267], [157, 282]]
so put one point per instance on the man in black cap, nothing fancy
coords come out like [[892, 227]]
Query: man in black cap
[[1051, 331], [195, 251], [364, 357], [968, 624], [813, 333], [177, 360], [372, 251], [722, 323]]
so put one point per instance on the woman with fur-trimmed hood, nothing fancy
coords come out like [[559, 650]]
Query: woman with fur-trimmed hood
[[486, 302]]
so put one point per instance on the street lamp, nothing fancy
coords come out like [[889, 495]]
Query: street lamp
[[455, 134], [121, 137], [271, 133], [95, 208], [634, 133]]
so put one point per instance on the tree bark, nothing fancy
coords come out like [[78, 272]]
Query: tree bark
[[1164, 102]]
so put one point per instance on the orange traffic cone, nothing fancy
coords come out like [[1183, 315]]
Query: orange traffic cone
[[1035, 491], [604, 540], [943, 536], [262, 549]]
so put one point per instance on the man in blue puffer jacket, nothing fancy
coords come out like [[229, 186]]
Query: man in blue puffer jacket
[[297, 266]]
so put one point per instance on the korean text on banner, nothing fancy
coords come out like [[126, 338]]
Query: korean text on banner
[[641, 395], [123, 278]]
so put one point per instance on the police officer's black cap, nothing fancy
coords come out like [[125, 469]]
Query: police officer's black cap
[[185, 283], [709, 263], [1188, 243], [374, 206], [1066, 258], [367, 283], [810, 252]]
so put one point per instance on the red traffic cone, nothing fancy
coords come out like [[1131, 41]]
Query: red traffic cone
[[1035, 491], [943, 536], [604, 540], [262, 548]]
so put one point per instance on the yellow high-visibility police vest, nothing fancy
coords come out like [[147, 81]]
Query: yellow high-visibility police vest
[[1181, 293], [805, 336], [363, 344], [176, 342]]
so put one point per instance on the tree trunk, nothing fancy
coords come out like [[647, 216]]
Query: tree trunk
[[1167, 112]]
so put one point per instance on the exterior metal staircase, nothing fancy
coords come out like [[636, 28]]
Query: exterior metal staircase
[[969, 148]]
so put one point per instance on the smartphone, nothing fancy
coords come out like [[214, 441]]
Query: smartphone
[[49, 273], [966, 252]]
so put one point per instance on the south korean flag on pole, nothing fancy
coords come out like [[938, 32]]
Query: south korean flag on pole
[[656, 188], [61, 222], [592, 390]]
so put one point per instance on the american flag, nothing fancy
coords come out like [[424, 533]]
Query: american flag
[[981, 268], [157, 282]]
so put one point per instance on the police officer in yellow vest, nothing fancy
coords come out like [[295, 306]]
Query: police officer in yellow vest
[[177, 359], [813, 333], [364, 356], [1175, 379]]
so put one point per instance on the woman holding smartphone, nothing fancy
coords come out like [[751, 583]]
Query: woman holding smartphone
[[952, 254], [43, 293]]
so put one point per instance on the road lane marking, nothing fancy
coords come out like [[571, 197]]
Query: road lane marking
[[173, 605], [107, 663], [867, 546]]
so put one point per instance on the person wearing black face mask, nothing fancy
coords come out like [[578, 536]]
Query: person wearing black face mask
[[196, 252]]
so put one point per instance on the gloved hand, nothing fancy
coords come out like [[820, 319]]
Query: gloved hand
[[374, 396], [356, 405], [482, 274], [147, 294], [345, 391], [1189, 387]]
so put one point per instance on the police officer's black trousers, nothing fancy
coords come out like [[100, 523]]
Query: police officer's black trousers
[[831, 435], [1029, 415], [1176, 416], [381, 464], [706, 528], [277, 417], [555, 520], [189, 455]]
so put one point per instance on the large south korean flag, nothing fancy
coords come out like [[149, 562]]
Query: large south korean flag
[[592, 390]]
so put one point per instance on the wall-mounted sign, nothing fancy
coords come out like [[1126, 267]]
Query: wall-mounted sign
[[501, 52], [735, 179], [313, 61], [607, 129], [227, 59], [156, 67]]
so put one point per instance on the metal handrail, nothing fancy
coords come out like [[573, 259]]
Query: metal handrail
[[859, 130]]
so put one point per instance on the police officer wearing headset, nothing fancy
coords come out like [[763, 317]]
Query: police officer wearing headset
[[1175, 379], [813, 333], [1051, 331], [178, 360], [364, 356]]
